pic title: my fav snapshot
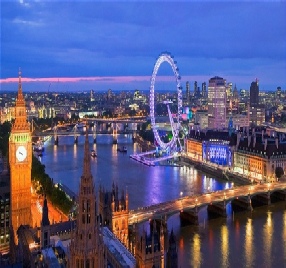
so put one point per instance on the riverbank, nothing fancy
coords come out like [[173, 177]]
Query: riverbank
[[216, 171]]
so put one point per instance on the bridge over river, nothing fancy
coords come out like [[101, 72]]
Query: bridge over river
[[78, 130], [189, 206]]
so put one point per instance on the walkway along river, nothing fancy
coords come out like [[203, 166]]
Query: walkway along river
[[254, 238]]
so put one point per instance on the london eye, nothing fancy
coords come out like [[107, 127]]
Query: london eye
[[171, 145]]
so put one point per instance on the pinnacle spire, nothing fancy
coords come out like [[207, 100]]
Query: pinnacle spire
[[86, 161], [20, 92], [45, 215]]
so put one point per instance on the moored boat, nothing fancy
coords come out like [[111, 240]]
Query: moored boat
[[38, 147], [93, 153], [123, 149]]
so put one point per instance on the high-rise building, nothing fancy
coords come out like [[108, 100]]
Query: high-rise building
[[20, 160], [254, 93], [217, 103], [188, 93], [235, 94], [204, 90], [92, 98], [195, 89], [87, 248], [229, 90], [278, 92]]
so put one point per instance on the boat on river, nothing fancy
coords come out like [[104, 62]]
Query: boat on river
[[39, 147], [93, 153], [123, 149]]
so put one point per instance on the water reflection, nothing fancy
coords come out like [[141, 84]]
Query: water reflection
[[196, 251], [267, 238], [74, 150], [249, 253], [224, 246]]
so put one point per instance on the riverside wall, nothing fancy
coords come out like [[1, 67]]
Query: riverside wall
[[216, 171]]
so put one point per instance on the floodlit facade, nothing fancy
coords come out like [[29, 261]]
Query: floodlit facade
[[217, 103]]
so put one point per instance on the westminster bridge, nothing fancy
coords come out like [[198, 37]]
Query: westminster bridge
[[243, 197]]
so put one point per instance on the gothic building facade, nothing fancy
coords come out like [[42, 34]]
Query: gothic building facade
[[113, 211], [87, 248], [20, 162], [150, 247]]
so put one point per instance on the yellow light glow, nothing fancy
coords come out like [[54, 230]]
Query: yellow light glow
[[249, 253]]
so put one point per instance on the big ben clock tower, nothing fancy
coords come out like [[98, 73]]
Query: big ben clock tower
[[20, 160]]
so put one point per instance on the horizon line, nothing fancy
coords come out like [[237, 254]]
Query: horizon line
[[111, 79]]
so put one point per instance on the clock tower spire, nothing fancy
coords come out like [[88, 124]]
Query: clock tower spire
[[20, 161], [20, 109]]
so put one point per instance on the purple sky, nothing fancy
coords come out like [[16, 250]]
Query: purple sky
[[83, 45]]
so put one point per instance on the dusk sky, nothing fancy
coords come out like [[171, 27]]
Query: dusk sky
[[83, 45]]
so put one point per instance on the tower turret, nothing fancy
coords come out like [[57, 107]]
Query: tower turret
[[45, 226], [172, 253]]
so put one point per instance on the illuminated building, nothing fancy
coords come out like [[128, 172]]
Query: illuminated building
[[240, 120], [7, 114], [201, 118], [87, 248], [256, 115], [194, 149], [229, 90], [278, 92], [254, 154], [4, 206], [218, 152], [113, 211], [92, 98], [150, 248], [20, 161], [195, 89], [216, 103], [210, 146], [258, 155], [204, 90]]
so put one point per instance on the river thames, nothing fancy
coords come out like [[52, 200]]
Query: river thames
[[243, 239]]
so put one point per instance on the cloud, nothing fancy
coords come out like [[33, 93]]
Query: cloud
[[113, 39], [116, 79]]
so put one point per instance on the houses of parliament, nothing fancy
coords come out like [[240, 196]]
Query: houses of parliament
[[100, 236]]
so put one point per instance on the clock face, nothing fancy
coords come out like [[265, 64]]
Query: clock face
[[21, 153]]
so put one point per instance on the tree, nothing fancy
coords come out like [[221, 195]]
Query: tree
[[5, 130], [279, 172]]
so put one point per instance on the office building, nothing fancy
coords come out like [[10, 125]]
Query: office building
[[254, 93], [217, 103]]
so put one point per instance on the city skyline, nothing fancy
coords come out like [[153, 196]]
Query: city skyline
[[62, 46]]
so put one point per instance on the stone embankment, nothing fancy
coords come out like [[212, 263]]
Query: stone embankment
[[216, 171]]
